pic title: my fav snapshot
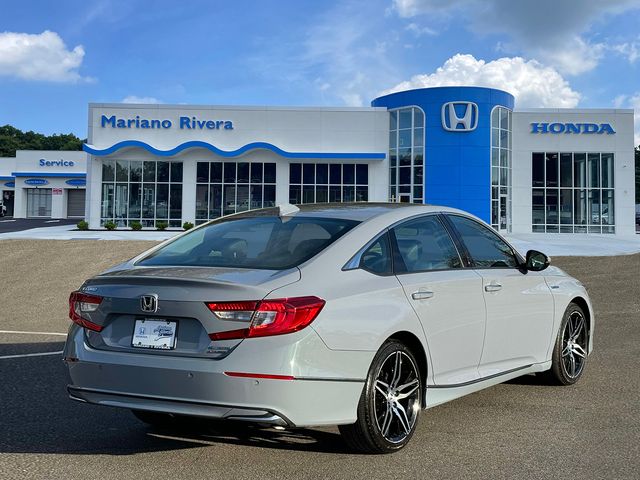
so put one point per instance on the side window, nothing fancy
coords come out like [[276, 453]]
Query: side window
[[423, 245], [487, 249], [377, 258]]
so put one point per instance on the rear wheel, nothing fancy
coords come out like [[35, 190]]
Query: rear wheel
[[390, 404], [570, 351]]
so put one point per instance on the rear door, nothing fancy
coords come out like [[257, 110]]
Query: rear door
[[446, 296], [519, 302]]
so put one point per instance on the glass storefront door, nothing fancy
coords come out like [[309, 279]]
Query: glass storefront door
[[38, 202]]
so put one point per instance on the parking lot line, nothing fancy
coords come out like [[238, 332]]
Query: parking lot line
[[30, 355], [17, 332]]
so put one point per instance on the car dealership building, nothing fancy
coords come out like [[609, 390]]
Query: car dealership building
[[538, 170], [42, 183]]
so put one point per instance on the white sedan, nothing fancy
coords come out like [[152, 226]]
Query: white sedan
[[357, 315]]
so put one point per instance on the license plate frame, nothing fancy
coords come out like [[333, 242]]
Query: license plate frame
[[154, 334]]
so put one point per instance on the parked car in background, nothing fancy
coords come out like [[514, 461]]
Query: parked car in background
[[357, 315]]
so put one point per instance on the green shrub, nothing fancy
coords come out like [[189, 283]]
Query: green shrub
[[187, 225], [110, 225], [161, 226], [135, 225], [82, 225]]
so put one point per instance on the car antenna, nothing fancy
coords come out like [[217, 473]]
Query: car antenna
[[286, 209]]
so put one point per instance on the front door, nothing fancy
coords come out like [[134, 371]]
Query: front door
[[503, 212], [38, 202], [519, 303], [446, 297]]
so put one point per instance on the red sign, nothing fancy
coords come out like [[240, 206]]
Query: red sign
[[56, 191]]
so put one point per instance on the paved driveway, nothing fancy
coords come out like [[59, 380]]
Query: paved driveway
[[10, 224], [519, 430]]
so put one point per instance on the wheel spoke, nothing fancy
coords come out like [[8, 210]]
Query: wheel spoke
[[578, 350], [578, 329], [412, 386], [396, 370], [386, 421], [379, 388], [572, 362], [401, 415], [567, 350]]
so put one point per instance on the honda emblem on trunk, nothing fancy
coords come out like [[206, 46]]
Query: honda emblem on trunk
[[149, 303]]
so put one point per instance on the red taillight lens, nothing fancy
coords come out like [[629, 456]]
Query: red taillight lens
[[80, 303], [268, 317]]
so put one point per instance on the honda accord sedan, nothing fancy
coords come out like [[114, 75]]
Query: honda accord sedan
[[356, 315]]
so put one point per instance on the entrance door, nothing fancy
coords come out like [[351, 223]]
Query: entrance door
[[7, 198], [38, 202], [75, 202], [504, 212]]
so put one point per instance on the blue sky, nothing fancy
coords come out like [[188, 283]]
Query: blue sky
[[55, 57]]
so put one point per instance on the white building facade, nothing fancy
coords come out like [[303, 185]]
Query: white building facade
[[178, 163], [568, 171], [47, 184]]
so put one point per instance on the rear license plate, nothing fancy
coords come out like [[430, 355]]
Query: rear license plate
[[154, 333]]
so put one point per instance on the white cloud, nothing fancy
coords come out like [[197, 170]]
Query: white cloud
[[351, 48], [419, 31], [533, 84], [556, 32], [136, 99], [631, 50], [43, 57]]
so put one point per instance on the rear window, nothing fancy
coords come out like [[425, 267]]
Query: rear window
[[272, 243]]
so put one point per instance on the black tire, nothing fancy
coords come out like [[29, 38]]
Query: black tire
[[571, 349], [155, 419], [387, 422]]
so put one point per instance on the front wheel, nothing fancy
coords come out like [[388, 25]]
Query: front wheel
[[571, 348], [390, 404]]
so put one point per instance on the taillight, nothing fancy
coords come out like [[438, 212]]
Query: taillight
[[82, 303], [268, 317]]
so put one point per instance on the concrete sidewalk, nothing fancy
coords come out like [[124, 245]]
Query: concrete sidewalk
[[69, 232]]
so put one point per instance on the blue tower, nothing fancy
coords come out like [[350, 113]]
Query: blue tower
[[464, 137]]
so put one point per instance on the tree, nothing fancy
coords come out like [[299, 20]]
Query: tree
[[12, 139]]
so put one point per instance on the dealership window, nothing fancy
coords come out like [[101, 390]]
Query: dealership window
[[501, 168], [223, 188], [143, 191], [572, 192], [406, 155], [328, 182]]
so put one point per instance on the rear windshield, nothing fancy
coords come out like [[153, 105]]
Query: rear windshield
[[272, 243]]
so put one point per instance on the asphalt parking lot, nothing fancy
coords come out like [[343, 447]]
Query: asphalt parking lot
[[522, 429], [10, 224]]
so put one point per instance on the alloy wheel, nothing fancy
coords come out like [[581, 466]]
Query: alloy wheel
[[574, 345], [397, 397]]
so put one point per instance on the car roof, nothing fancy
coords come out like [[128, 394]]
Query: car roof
[[363, 211], [356, 211]]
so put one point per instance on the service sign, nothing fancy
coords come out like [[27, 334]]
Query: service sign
[[36, 181], [76, 182]]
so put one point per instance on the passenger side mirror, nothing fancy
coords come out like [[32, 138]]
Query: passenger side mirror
[[536, 261]]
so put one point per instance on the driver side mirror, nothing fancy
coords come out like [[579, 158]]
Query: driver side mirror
[[536, 261]]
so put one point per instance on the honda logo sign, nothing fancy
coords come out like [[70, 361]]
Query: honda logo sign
[[459, 116], [149, 303]]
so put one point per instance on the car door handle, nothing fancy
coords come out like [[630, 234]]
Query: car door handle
[[493, 287], [421, 295]]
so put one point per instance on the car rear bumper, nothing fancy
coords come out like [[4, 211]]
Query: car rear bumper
[[309, 395]]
